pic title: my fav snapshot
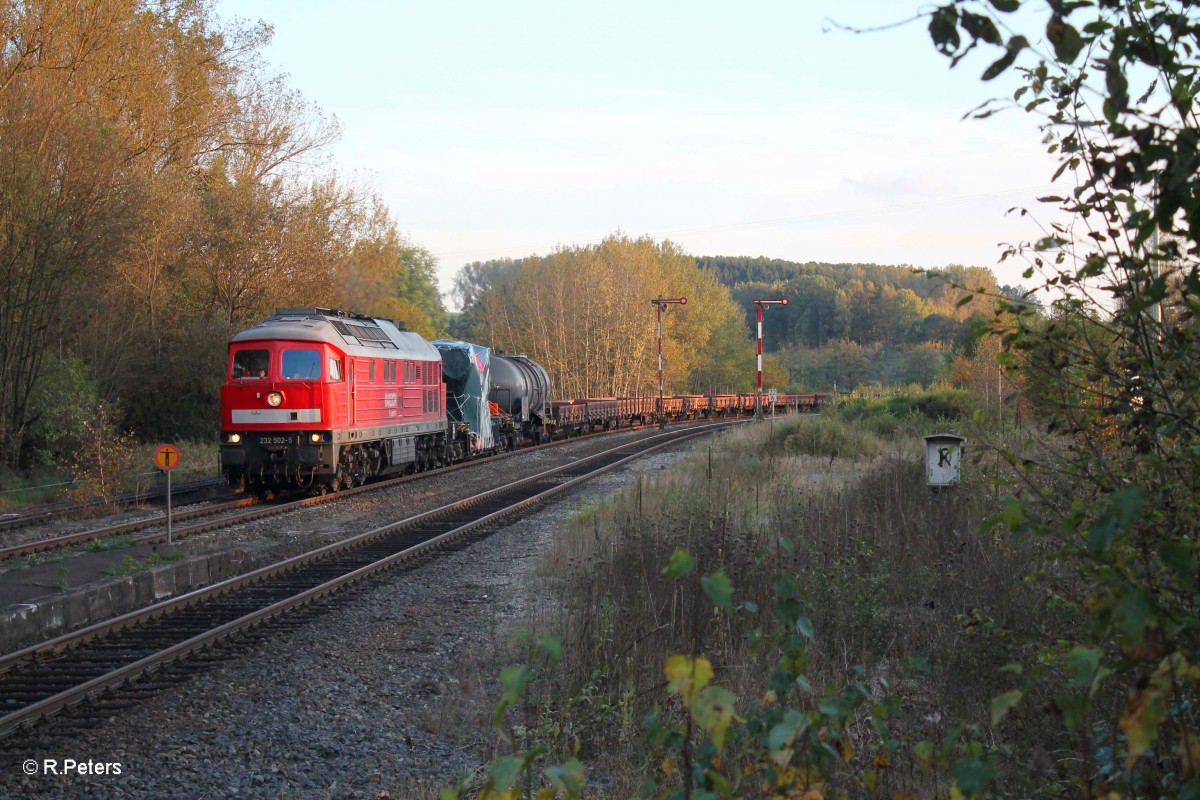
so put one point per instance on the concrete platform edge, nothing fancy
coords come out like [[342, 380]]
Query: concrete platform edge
[[43, 618]]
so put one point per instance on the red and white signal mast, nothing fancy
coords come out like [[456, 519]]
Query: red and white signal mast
[[660, 305], [758, 304]]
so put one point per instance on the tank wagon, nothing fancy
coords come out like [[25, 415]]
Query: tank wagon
[[520, 391]]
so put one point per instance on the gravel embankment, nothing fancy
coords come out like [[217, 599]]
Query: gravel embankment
[[384, 695]]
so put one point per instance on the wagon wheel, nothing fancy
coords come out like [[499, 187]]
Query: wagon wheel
[[336, 484]]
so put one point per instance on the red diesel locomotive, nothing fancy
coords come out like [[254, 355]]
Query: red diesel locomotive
[[324, 399]]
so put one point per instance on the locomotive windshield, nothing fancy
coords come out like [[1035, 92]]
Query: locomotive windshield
[[251, 363], [301, 365]]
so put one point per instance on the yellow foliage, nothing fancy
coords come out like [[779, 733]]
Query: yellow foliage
[[507, 794], [584, 313], [1140, 722], [687, 676], [1189, 755]]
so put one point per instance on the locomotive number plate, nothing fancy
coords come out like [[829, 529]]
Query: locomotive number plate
[[275, 440]]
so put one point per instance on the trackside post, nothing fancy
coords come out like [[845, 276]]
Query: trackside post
[[660, 305], [166, 458]]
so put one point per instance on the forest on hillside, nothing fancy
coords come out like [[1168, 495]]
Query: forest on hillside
[[160, 189], [845, 325], [851, 325]]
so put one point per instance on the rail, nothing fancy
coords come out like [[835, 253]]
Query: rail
[[167, 629]]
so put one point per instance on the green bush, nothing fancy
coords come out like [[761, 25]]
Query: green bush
[[827, 437], [936, 405], [67, 402]]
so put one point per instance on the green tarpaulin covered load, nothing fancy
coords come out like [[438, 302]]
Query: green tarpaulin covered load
[[466, 369]]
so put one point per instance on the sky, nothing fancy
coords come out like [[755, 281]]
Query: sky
[[506, 129]]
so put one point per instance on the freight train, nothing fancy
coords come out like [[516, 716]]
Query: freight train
[[324, 399]]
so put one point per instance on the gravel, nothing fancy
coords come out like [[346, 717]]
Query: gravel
[[384, 694]]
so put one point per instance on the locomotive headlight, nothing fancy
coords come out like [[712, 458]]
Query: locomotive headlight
[[316, 438], [274, 398], [234, 438]]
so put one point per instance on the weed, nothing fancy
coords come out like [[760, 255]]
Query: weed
[[35, 560], [112, 465], [130, 565], [109, 543], [60, 582], [16, 493]]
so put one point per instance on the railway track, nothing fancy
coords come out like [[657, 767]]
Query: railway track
[[34, 515], [229, 513], [92, 672]]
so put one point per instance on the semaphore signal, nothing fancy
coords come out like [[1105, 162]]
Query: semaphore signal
[[660, 305], [758, 304]]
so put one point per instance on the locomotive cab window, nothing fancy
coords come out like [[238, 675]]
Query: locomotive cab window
[[335, 370], [301, 365], [251, 364]]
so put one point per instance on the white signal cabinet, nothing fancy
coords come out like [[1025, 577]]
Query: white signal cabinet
[[943, 458]]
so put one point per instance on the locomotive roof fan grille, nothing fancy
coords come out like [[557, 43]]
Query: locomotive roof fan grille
[[363, 334]]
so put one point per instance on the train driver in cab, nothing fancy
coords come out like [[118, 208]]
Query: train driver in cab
[[251, 364]]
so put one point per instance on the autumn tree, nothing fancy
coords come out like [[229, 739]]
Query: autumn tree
[[585, 314], [160, 189], [61, 170], [473, 284], [388, 276]]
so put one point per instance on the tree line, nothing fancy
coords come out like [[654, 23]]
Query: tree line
[[160, 189], [585, 313]]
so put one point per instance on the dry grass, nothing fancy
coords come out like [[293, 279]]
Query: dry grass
[[887, 571]]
